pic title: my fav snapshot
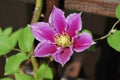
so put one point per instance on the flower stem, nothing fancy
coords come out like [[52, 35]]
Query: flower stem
[[109, 33], [36, 15], [51, 59], [37, 11], [35, 67]]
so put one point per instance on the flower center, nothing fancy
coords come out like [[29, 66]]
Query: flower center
[[63, 40]]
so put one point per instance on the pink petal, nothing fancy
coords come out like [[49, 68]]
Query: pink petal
[[63, 55], [42, 31], [74, 24], [57, 20], [82, 42], [45, 49]]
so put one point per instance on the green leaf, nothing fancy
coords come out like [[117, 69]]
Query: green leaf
[[23, 77], [5, 44], [114, 40], [14, 37], [1, 30], [5, 79], [117, 12], [45, 71], [13, 63], [86, 30], [26, 40], [7, 31], [92, 48]]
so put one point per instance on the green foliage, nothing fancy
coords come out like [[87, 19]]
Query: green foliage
[[26, 40], [117, 12], [1, 31], [8, 40], [45, 71], [14, 37], [5, 44], [13, 63], [23, 77], [114, 40], [7, 31], [92, 48], [5, 79], [86, 30]]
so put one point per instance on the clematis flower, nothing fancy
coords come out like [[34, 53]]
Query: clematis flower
[[59, 37]]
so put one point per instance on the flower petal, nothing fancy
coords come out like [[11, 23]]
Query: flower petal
[[82, 42], [74, 24], [57, 20], [42, 31], [45, 49], [63, 55]]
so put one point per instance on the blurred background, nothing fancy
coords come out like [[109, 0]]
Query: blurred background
[[97, 16]]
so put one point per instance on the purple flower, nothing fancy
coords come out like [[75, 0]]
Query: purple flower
[[60, 37]]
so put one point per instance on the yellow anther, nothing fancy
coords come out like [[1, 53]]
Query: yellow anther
[[63, 40]]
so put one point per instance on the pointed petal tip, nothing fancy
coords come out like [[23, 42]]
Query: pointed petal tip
[[93, 43], [83, 42], [28, 25], [57, 20], [63, 55], [54, 6], [74, 24], [62, 65], [81, 13]]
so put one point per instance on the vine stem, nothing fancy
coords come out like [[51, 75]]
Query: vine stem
[[51, 59], [35, 67], [35, 18], [37, 11], [109, 33]]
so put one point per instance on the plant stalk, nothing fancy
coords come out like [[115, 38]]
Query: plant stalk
[[35, 67], [51, 59], [35, 18], [37, 11], [109, 33]]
